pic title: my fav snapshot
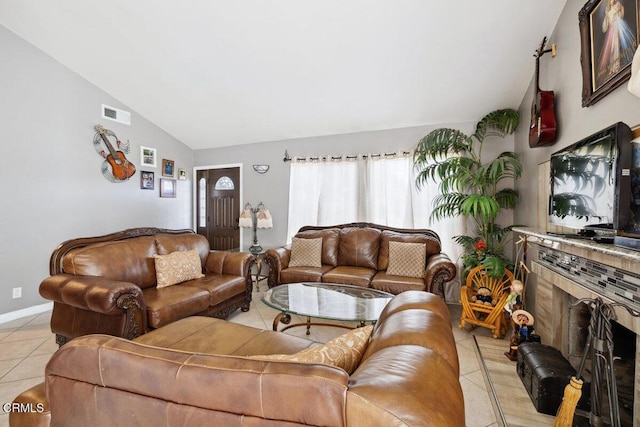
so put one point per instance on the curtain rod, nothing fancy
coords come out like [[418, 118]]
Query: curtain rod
[[345, 157]]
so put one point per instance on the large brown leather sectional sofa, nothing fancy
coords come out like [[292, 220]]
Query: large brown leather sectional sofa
[[107, 284], [199, 371], [358, 254]]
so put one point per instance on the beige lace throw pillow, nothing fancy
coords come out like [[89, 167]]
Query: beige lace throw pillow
[[306, 252], [343, 352], [177, 267], [407, 259]]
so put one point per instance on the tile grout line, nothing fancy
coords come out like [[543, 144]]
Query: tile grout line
[[492, 390]]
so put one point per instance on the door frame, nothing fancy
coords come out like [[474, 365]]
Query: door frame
[[195, 194]]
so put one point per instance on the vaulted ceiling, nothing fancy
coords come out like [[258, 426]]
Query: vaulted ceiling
[[218, 73]]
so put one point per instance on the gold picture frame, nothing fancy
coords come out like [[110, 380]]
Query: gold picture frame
[[609, 38]]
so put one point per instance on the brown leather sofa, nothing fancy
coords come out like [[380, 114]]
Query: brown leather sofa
[[107, 284], [197, 371], [358, 254]]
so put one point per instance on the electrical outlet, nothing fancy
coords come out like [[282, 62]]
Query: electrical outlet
[[17, 293]]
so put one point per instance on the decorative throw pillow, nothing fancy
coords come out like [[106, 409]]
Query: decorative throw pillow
[[177, 267], [306, 252], [407, 259], [343, 352]]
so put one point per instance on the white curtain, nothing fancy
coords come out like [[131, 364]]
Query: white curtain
[[374, 188]]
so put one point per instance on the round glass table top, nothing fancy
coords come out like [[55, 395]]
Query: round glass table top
[[328, 301]]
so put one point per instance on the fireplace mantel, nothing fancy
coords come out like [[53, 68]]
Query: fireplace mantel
[[560, 268]]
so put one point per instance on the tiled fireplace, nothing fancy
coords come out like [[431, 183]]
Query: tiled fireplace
[[566, 270]]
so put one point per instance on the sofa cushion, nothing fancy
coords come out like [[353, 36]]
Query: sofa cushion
[[166, 305], [221, 287], [168, 243], [345, 275], [306, 252], [193, 334], [303, 274], [432, 243], [129, 260], [407, 259], [359, 247], [343, 352], [330, 242], [396, 284], [177, 267]]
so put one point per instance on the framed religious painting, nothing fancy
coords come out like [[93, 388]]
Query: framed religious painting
[[609, 38]]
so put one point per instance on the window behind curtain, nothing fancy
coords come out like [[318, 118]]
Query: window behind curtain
[[378, 190]]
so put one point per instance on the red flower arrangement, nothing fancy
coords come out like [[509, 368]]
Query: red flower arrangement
[[480, 245]]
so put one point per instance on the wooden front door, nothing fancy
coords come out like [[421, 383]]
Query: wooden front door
[[218, 207]]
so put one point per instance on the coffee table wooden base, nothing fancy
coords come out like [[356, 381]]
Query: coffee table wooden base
[[286, 319]]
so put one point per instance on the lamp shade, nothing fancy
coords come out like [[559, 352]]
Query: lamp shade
[[245, 219], [264, 219]]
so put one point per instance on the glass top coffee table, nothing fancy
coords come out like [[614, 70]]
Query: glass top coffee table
[[325, 301]]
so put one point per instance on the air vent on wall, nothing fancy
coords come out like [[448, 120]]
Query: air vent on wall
[[116, 114]]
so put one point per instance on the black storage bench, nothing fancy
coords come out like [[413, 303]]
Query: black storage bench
[[544, 372]]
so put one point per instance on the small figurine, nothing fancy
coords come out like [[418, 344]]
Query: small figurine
[[522, 330]]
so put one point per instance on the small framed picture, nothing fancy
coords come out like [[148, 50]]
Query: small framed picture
[[167, 187], [167, 167], [182, 174], [147, 180], [148, 157]]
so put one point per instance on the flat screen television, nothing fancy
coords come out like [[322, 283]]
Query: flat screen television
[[591, 182]]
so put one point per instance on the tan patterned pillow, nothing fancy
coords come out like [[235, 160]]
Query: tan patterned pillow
[[306, 252], [343, 352], [177, 267], [407, 259]]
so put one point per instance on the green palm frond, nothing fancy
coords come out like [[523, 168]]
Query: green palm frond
[[498, 123], [507, 198], [480, 206], [506, 165], [446, 205], [441, 143]]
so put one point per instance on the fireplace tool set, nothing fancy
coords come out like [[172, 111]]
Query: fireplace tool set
[[600, 344]]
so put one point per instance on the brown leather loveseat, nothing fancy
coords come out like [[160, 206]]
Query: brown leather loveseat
[[361, 254], [204, 372], [109, 285]]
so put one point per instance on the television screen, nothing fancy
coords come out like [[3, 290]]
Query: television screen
[[586, 180]]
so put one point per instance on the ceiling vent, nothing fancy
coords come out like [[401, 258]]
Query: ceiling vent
[[116, 114]]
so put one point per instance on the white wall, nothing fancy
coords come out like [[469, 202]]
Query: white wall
[[52, 187]]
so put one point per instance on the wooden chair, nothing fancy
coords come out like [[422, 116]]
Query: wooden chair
[[479, 313]]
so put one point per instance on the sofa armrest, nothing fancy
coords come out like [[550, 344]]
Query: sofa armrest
[[439, 270], [38, 413], [225, 262], [277, 259], [92, 293]]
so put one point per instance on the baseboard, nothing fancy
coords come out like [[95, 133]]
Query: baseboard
[[36, 309]]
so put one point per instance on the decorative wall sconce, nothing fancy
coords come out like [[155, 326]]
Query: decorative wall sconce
[[258, 217], [261, 168]]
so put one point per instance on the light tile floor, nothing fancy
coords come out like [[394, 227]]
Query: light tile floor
[[26, 345]]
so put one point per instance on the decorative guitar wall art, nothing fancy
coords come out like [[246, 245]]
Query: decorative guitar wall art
[[116, 167], [543, 127]]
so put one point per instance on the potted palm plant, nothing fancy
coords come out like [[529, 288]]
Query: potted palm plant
[[473, 186]]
